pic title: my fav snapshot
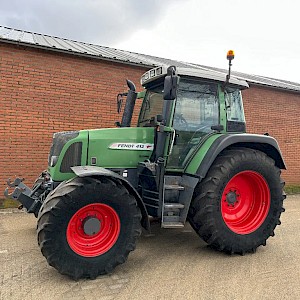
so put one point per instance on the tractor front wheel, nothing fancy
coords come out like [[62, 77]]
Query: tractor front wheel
[[88, 226], [238, 205]]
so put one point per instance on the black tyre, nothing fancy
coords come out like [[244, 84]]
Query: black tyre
[[87, 226], [238, 205]]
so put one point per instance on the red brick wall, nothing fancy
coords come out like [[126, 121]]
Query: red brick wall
[[44, 92], [278, 113]]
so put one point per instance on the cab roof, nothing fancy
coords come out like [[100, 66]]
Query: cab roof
[[160, 72]]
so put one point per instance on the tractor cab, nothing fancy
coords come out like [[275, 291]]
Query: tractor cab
[[203, 104]]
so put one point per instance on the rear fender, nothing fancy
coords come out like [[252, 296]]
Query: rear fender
[[262, 143], [87, 171]]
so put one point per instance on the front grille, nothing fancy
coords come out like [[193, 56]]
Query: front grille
[[59, 140], [72, 157]]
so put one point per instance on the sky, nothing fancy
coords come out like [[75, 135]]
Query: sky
[[263, 33]]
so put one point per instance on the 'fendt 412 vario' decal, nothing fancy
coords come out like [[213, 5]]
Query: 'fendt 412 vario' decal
[[131, 146]]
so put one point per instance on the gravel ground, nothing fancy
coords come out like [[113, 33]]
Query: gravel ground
[[169, 264]]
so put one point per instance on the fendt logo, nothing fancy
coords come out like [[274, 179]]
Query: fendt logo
[[131, 146]]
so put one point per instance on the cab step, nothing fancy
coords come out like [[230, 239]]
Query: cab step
[[172, 225], [176, 187], [171, 206]]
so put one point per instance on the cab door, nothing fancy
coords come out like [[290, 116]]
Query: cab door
[[196, 110]]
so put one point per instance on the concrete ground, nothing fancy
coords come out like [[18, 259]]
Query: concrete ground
[[170, 264]]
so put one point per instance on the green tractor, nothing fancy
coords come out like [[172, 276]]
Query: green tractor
[[189, 158]]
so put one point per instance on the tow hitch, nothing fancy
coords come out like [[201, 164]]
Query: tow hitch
[[23, 194]]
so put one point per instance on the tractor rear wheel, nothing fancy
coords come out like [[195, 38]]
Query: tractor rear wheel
[[238, 205], [87, 226]]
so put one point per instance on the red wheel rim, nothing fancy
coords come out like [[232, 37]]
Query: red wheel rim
[[107, 230], [245, 202]]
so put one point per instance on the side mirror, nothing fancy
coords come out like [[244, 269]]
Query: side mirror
[[120, 101], [170, 84]]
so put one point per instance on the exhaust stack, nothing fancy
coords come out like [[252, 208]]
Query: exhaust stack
[[129, 106]]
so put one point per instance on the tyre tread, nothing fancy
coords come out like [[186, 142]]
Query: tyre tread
[[59, 201], [202, 212]]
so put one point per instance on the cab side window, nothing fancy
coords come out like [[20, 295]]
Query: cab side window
[[234, 105]]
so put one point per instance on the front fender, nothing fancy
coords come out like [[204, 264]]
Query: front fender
[[87, 171]]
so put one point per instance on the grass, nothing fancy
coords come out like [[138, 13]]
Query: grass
[[8, 203], [292, 189]]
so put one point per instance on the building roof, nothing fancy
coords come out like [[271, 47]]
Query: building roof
[[37, 40]]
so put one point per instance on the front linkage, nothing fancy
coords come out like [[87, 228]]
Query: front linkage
[[31, 199]]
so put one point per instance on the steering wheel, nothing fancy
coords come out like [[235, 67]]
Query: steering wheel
[[180, 121]]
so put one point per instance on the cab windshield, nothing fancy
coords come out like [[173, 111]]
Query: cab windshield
[[152, 106]]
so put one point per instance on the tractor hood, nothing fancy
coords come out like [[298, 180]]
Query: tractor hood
[[114, 148], [120, 147]]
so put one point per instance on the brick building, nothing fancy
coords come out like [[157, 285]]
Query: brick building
[[49, 84]]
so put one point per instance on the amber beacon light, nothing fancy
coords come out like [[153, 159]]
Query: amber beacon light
[[230, 54], [230, 57]]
